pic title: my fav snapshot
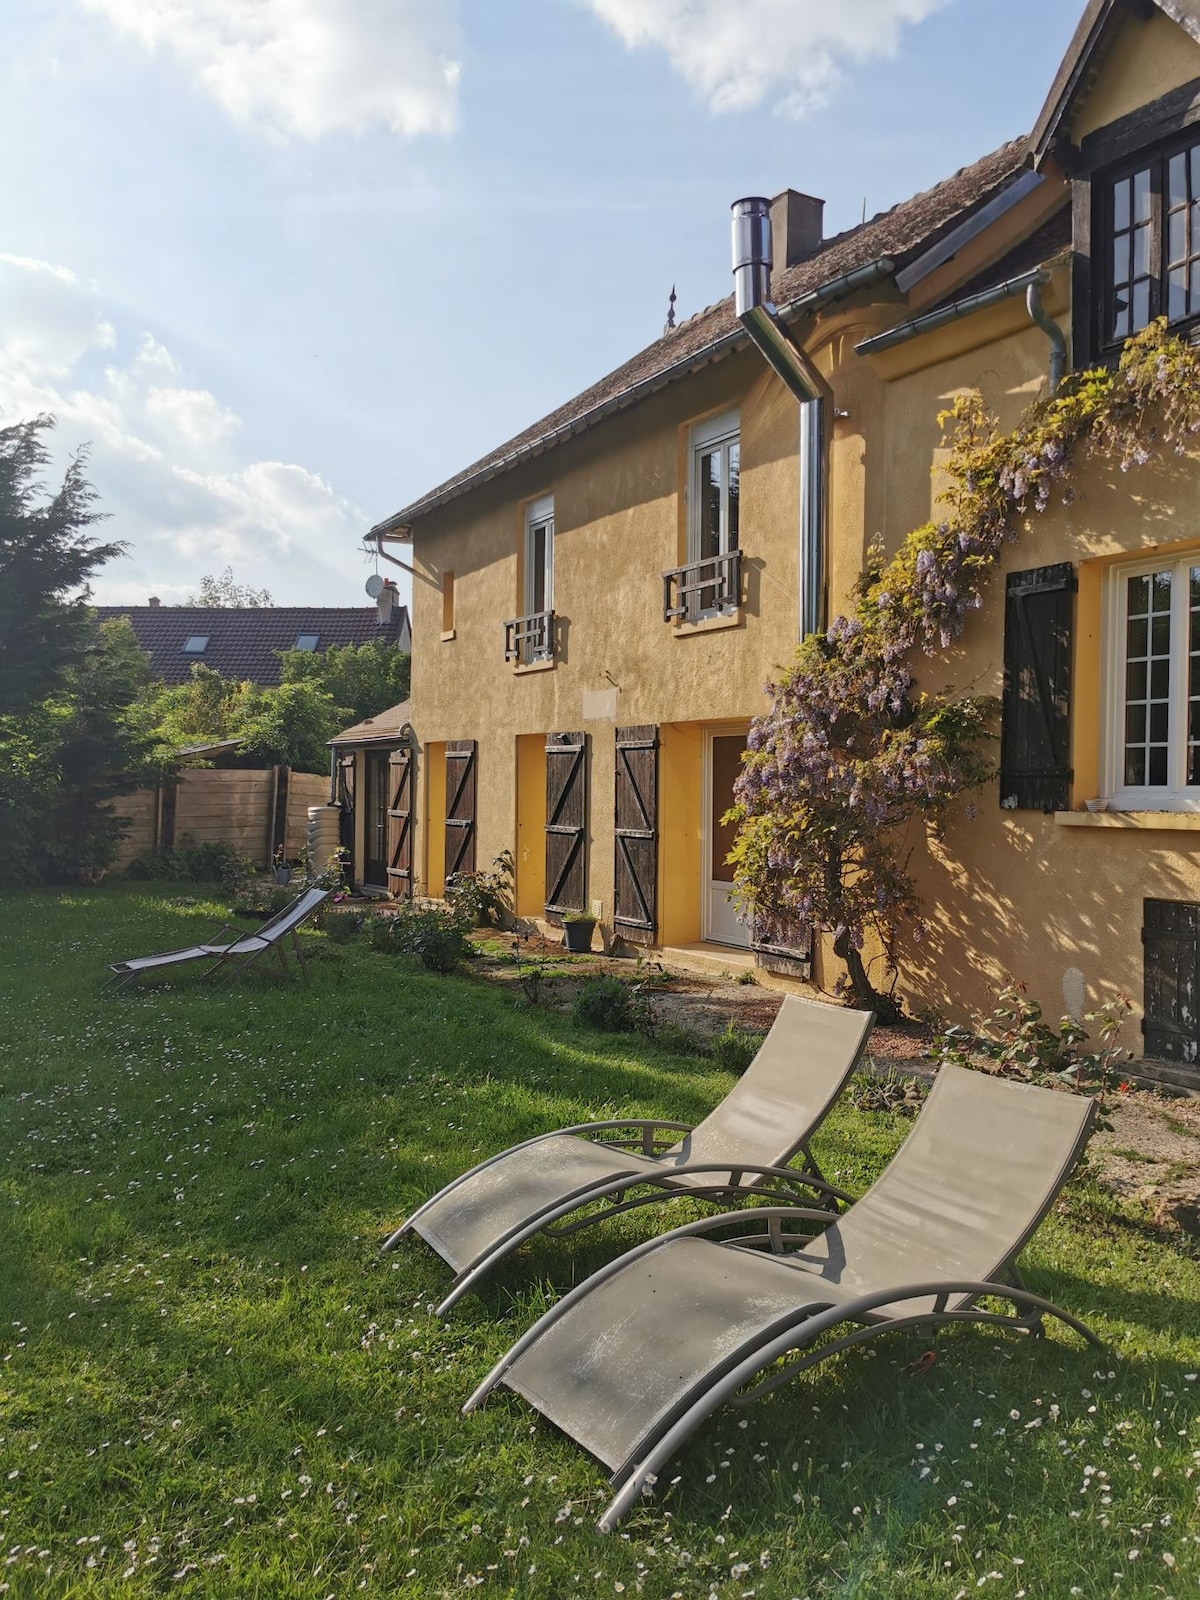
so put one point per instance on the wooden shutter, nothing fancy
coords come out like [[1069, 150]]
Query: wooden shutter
[[460, 806], [635, 885], [566, 823], [401, 769], [1170, 962], [791, 955], [1035, 752]]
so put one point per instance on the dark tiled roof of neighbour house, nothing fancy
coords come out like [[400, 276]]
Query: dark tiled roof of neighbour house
[[243, 641], [896, 235]]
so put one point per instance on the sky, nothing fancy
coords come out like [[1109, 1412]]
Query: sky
[[284, 265]]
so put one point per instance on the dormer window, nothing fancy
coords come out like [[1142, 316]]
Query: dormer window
[[195, 644], [306, 641], [1150, 243]]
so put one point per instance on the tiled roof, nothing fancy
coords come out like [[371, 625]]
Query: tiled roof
[[243, 641], [385, 727], [895, 235]]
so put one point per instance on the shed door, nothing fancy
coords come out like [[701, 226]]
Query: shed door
[[460, 806], [375, 819], [566, 823], [401, 769], [635, 886]]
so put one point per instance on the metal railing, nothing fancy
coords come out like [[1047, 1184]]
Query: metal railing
[[529, 639], [703, 588]]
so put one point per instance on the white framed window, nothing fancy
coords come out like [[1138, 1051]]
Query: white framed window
[[714, 484], [1152, 726], [539, 568]]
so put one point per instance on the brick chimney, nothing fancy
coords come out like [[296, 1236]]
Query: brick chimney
[[797, 227], [154, 601]]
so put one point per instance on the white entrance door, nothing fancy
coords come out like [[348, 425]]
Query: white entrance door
[[723, 763]]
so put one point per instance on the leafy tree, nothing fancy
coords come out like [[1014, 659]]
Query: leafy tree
[[289, 724], [47, 556], [361, 680], [226, 591]]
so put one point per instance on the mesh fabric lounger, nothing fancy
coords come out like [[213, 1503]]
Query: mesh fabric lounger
[[239, 952], [741, 1148], [632, 1361]]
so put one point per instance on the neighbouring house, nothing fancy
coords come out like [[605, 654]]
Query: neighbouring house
[[600, 600], [374, 763], [243, 642]]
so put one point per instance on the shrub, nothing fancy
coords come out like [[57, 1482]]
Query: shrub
[[484, 898], [438, 938], [610, 1006], [735, 1049], [1016, 1037], [344, 927], [195, 863]]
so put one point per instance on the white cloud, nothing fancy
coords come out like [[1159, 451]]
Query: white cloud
[[736, 54], [164, 456], [305, 68]]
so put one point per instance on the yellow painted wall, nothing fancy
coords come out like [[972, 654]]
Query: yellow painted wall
[[434, 830], [530, 851], [1144, 61], [679, 828]]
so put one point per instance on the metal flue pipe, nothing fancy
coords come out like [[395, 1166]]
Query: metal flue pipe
[[752, 261]]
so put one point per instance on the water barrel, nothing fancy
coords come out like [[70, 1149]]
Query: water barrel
[[324, 835]]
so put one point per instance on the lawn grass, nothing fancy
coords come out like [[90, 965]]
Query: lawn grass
[[211, 1384]]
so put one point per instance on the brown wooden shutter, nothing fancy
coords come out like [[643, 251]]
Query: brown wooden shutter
[[401, 770], [566, 823], [635, 883], [1171, 978], [790, 955], [1035, 744], [460, 806]]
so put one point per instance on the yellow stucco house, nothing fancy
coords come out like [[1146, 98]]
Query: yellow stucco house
[[598, 603]]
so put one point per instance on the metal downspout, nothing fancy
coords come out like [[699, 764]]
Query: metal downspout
[[752, 260], [1058, 345]]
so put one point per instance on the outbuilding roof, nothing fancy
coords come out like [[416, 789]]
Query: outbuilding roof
[[894, 235], [385, 727], [243, 642]]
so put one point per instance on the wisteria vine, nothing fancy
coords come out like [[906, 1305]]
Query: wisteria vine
[[851, 751]]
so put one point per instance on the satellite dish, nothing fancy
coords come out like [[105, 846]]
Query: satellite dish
[[375, 585]]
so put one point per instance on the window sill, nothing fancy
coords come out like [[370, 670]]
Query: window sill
[[534, 666], [1146, 821], [684, 630], [448, 634]]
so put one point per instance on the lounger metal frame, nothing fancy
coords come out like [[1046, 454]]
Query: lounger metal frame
[[223, 958]]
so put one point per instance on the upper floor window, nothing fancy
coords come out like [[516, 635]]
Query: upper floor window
[[714, 488], [306, 641], [539, 555], [195, 644], [1154, 715], [1151, 235]]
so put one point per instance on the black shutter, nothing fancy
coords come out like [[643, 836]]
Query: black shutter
[[1035, 748], [790, 953], [566, 823], [1170, 961], [401, 764], [460, 806], [635, 881]]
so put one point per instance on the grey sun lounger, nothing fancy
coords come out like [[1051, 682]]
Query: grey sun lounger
[[273, 935], [742, 1148], [631, 1362]]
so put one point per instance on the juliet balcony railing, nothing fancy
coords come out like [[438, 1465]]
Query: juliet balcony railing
[[529, 639], [703, 588]]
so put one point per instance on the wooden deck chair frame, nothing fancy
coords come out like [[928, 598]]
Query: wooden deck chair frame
[[606, 1168], [640, 1446]]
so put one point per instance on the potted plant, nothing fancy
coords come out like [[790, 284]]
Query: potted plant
[[577, 930], [283, 870]]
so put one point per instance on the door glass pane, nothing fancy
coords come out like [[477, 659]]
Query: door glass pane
[[710, 505], [735, 474], [726, 765], [536, 557]]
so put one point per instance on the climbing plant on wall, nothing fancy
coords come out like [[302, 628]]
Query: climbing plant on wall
[[852, 752]]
